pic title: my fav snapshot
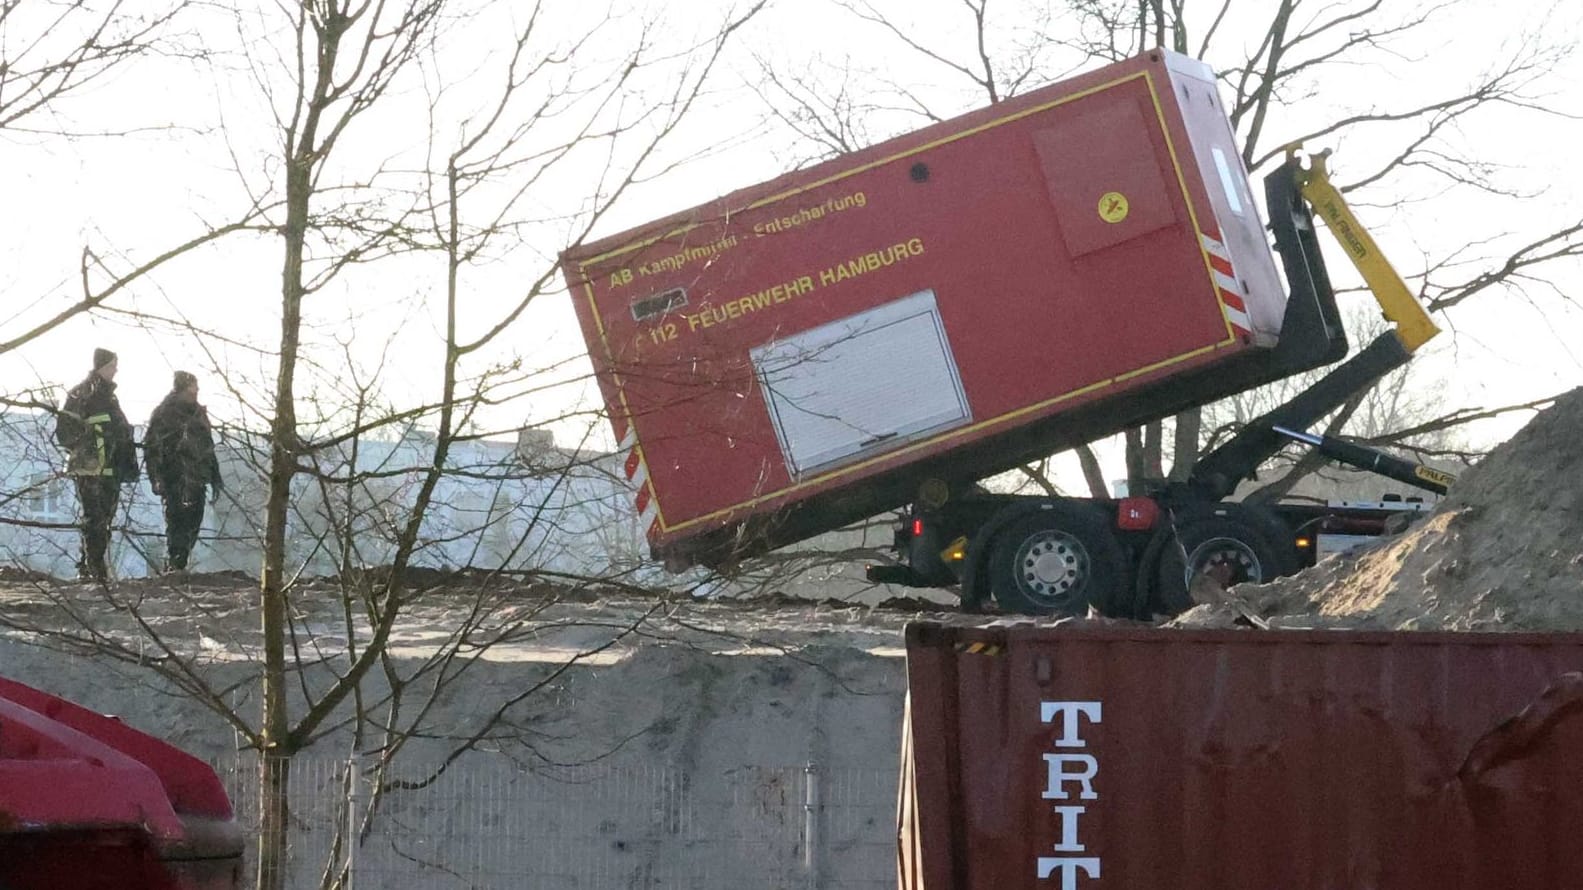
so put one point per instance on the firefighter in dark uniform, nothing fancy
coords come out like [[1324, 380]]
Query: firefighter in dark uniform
[[100, 457], [178, 449]]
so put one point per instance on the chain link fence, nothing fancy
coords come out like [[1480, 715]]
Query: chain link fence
[[492, 822]]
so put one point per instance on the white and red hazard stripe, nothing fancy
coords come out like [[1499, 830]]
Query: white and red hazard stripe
[[1232, 300], [637, 473]]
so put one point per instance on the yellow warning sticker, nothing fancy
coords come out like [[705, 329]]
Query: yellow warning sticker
[[1113, 207]]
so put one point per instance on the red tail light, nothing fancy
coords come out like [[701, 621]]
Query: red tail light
[[1137, 514], [917, 528]]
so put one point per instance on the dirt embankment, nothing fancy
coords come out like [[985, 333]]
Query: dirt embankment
[[1504, 551]]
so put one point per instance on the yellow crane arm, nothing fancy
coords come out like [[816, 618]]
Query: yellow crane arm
[[1414, 327]]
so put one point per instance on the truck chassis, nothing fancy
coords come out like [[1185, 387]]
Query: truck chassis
[[1140, 555]]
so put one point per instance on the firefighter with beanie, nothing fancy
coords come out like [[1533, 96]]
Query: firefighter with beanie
[[100, 457], [178, 450]]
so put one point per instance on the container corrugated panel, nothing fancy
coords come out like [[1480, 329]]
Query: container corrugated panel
[[1079, 757]]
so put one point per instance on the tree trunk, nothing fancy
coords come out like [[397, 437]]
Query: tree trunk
[[1154, 450], [274, 819], [1145, 455], [1092, 474], [277, 747], [1134, 454], [277, 742], [1184, 444]]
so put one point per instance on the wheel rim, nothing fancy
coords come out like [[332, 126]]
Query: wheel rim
[[1228, 560], [1052, 567]]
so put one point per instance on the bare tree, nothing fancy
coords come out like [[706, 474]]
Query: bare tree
[[51, 51], [51, 56], [1301, 45], [1275, 77], [353, 468], [348, 58], [59, 67]]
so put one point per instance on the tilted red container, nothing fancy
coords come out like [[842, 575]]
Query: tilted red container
[[1085, 759], [952, 302]]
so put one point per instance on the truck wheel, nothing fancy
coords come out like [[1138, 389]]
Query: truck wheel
[[1231, 549], [1056, 561]]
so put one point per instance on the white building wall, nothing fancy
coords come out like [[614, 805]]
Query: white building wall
[[567, 515], [521, 508]]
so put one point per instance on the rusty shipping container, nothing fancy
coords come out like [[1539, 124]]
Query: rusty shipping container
[[1092, 758]]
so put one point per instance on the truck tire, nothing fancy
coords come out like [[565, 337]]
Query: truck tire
[[1056, 561], [1233, 545]]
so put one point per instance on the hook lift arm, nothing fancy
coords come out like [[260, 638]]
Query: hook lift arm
[[1218, 473]]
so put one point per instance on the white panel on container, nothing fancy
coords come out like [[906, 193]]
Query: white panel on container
[[862, 384]]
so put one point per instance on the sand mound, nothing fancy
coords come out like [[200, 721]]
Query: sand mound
[[1503, 552]]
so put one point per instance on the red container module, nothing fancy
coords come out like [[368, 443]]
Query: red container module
[[1025, 277], [1081, 758]]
